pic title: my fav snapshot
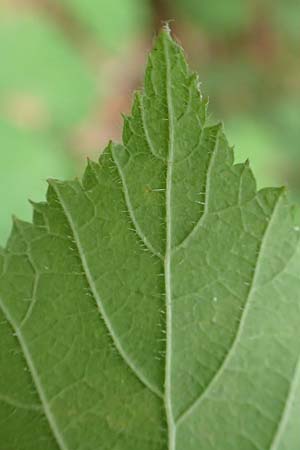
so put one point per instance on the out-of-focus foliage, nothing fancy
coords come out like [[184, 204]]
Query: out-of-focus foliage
[[112, 22], [69, 66], [33, 158], [237, 16], [39, 64], [285, 16], [218, 17], [44, 89], [253, 139]]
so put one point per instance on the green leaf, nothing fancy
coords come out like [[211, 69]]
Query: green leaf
[[155, 304]]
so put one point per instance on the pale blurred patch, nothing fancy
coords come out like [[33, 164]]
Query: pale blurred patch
[[25, 110]]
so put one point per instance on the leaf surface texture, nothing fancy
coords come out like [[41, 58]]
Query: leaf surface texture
[[154, 305]]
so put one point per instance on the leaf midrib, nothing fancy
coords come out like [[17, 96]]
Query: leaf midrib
[[167, 262]]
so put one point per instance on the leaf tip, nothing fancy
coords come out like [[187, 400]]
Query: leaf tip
[[166, 26], [18, 223], [283, 190], [53, 182], [166, 32]]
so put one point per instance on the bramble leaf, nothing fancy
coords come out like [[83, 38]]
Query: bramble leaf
[[156, 304]]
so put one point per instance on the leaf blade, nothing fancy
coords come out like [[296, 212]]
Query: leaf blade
[[159, 297]]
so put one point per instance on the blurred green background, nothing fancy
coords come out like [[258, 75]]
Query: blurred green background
[[68, 69]]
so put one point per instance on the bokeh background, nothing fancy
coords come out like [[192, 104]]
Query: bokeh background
[[68, 69]]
